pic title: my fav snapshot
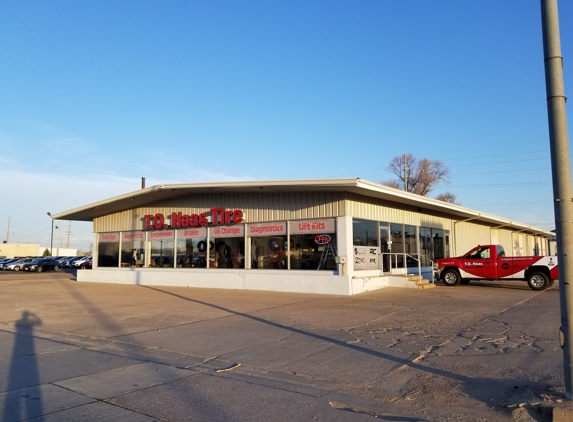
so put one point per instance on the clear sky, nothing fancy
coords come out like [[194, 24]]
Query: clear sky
[[95, 95]]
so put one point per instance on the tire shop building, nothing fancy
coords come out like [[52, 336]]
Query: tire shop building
[[328, 236]]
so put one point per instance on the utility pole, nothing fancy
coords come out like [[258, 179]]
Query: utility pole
[[8, 232], [59, 238], [561, 174], [69, 229]]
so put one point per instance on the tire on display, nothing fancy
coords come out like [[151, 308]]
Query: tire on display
[[39, 269], [538, 281], [451, 278]]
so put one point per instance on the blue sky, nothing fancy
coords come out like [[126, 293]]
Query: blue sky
[[95, 95]]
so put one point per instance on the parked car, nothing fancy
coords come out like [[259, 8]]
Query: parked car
[[87, 265], [4, 264], [78, 262], [42, 264], [68, 263], [18, 264]]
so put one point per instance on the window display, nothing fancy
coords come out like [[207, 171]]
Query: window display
[[269, 245], [108, 250], [191, 248], [229, 247], [307, 246], [133, 249]]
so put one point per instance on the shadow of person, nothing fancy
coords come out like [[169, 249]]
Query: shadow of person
[[23, 403]]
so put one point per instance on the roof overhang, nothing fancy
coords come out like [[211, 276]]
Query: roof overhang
[[154, 194]]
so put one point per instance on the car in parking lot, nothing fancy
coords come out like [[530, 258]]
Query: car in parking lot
[[42, 264], [7, 262], [17, 265], [79, 261]]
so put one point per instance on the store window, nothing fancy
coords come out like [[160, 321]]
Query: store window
[[432, 245], [268, 245], [410, 245], [313, 244], [364, 232], [229, 246], [108, 250], [397, 235], [189, 243], [133, 249], [162, 249]]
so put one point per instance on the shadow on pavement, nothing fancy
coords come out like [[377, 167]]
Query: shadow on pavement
[[481, 389], [26, 402]]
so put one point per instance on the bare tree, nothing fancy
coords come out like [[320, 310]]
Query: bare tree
[[416, 176], [448, 197]]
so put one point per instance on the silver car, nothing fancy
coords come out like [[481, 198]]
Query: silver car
[[17, 265]]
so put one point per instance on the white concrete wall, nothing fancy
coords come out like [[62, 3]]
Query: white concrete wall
[[323, 282]]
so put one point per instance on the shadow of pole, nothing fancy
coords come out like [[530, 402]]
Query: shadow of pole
[[26, 402]]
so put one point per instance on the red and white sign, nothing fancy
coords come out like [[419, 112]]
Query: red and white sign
[[133, 236], [162, 235], [227, 231], [313, 226], [267, 229], [192, 233], [108, 237]]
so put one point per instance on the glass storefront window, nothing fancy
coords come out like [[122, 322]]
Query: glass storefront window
[[162, 253], [191, 248], [108, 250], [410, 244], [133, 249], [396, 231], [432, 245], [307, 246], [229, 246], [426, 245], [364, 232], [268, 245]]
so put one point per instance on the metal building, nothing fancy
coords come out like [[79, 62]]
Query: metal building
[[335, 236]]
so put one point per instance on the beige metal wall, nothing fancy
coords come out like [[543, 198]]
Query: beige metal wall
[[256, 208], [379, 210]]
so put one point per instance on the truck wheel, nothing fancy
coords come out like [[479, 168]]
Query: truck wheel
[[451, 278], [538, 281]]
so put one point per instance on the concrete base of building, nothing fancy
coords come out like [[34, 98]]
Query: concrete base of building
[[319, 282]]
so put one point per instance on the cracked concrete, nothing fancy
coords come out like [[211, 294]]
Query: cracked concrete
[[470, 353]]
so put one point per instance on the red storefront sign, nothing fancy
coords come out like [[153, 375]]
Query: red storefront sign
[[179, 220], [108, 237], [192, 233], [268, 229], [326, 225], [227, 231]]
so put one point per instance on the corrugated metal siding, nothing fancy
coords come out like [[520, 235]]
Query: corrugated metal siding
[[468, 234], [380, 210], [256, 208]]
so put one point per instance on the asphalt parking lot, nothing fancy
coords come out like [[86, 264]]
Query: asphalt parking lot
[[83, 351]]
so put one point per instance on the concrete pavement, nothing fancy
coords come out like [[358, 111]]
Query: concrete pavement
[[82, 351]]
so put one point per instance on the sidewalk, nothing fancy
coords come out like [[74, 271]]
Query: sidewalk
[[71, 351]]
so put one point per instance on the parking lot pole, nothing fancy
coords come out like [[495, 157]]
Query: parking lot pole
[[561, 175], [52, 237]]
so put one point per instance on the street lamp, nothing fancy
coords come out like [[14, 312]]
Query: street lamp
[[52, 238]]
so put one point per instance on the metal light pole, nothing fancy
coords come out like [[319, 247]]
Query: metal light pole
[[561, 174], [52, 237]]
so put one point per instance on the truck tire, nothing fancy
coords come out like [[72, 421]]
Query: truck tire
[[538, 281], [451, 278]]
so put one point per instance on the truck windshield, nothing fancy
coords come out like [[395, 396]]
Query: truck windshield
[[479, 253]]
